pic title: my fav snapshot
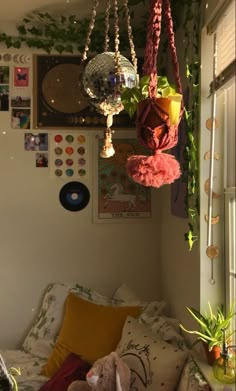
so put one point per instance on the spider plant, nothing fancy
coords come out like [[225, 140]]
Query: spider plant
[[212, 325]]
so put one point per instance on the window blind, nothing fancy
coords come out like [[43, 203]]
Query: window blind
[[225, 36]]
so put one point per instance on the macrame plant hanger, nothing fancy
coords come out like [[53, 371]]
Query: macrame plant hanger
[[155, 128], [103, 107]]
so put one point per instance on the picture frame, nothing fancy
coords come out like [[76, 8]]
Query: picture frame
[[117, 198], [59, 100]]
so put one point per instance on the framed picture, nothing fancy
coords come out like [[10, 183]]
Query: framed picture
[[59, 97], [117, 198]]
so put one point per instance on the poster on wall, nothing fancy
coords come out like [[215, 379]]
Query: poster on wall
[[60, 101], [117, 198]]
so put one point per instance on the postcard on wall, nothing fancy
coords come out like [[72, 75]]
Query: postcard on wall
[[4, 97], [21, 77], [20, 118], [117, 197]]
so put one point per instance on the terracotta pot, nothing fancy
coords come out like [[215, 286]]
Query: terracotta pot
[[158, 113], [213, 354]]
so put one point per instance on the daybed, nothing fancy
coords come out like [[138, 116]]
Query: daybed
[[148, 340]]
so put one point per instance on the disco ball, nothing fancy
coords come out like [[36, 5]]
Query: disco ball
[[104, 86]]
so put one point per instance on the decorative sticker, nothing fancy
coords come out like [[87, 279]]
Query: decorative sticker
[[68, 155]]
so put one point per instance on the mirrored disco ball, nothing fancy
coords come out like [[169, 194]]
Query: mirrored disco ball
[[103, 85]]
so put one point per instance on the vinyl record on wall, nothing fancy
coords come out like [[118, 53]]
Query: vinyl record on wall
[[74, 196]]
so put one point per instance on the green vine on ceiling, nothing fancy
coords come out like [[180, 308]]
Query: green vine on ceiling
[[67, 34]]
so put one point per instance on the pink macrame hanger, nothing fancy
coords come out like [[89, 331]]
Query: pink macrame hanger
[[154, 129]]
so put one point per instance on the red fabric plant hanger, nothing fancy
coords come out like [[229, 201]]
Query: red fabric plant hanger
[[155, 130]]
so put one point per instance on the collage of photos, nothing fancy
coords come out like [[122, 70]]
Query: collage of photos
[[39, 143], [4, 88], [15, 98]]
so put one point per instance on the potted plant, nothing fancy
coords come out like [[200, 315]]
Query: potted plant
[[212, 328], [131, 97]]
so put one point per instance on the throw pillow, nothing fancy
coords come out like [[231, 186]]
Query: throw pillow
[[89, 330], [43, 333], [167, 329], [155, 365], [73, 368]]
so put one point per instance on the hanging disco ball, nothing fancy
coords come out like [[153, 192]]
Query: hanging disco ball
[[103, 85]]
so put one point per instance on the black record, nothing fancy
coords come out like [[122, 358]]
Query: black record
[[74, 196]]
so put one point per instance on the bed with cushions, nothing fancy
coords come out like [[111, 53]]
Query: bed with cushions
[[78, 323]]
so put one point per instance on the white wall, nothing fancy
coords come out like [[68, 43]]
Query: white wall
[[41, 242]]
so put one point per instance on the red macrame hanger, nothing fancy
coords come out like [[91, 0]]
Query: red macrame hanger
[[154, 129]]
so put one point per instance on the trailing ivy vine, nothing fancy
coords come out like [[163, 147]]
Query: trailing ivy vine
[[192, 31], [67, 34]]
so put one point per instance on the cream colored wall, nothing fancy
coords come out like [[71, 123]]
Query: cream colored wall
[[41, 242], [180, 268]]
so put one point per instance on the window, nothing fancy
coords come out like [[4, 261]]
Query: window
[[219, 27], [225, 84]]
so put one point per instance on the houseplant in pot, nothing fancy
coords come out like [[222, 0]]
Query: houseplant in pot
[[212, 326]]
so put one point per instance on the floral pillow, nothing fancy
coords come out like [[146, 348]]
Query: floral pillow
[[155, 365], [42, 335]]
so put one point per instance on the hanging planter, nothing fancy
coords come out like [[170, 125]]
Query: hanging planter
[[157, 117]]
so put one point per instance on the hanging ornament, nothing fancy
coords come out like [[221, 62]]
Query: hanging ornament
[[109, 72], [103, 83]]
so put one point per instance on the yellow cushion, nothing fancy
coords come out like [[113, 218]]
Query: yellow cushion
[[89, 330]]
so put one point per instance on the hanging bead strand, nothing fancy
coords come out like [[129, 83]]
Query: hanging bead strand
[[130, 37], [117, 38], [107, 26], [90, 30]]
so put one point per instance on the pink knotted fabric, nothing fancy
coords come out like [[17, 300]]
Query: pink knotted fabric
[[153, 126]]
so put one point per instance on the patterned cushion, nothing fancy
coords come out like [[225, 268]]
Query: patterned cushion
[[155, 365], [192, 379], [42, 335], [29, 366]]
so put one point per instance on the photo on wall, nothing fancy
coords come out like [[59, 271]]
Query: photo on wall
[[36, 142], [41, 159], [4, 97], [4, 75], [117, 197], [20, 118], [20, 101]]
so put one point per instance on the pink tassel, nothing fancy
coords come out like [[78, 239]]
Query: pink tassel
[[156, 170]]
